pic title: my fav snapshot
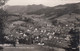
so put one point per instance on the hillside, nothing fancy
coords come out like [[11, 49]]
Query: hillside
[[58, 16], [61, 13], [51, 14], [23, 9], [59, 10]]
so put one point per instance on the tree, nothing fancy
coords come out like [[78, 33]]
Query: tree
[[2, 16], [2, 2], [74, 39]]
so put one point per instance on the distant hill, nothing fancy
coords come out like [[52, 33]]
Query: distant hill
[[62, 13], [59, 10], [23, 9]]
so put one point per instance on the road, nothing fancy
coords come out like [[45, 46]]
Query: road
[[26, 48], [30, 48]]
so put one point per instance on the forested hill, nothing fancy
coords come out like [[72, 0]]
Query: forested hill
[[59, 10], [63, 14], [24, 8]]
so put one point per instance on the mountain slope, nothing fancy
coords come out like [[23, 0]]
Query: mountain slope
[[23, 9], [58, 10], [62, 13]]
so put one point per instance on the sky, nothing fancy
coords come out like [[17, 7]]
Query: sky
[[44, 2]]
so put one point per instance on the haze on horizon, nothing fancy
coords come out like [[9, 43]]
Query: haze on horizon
[[37, 2]]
